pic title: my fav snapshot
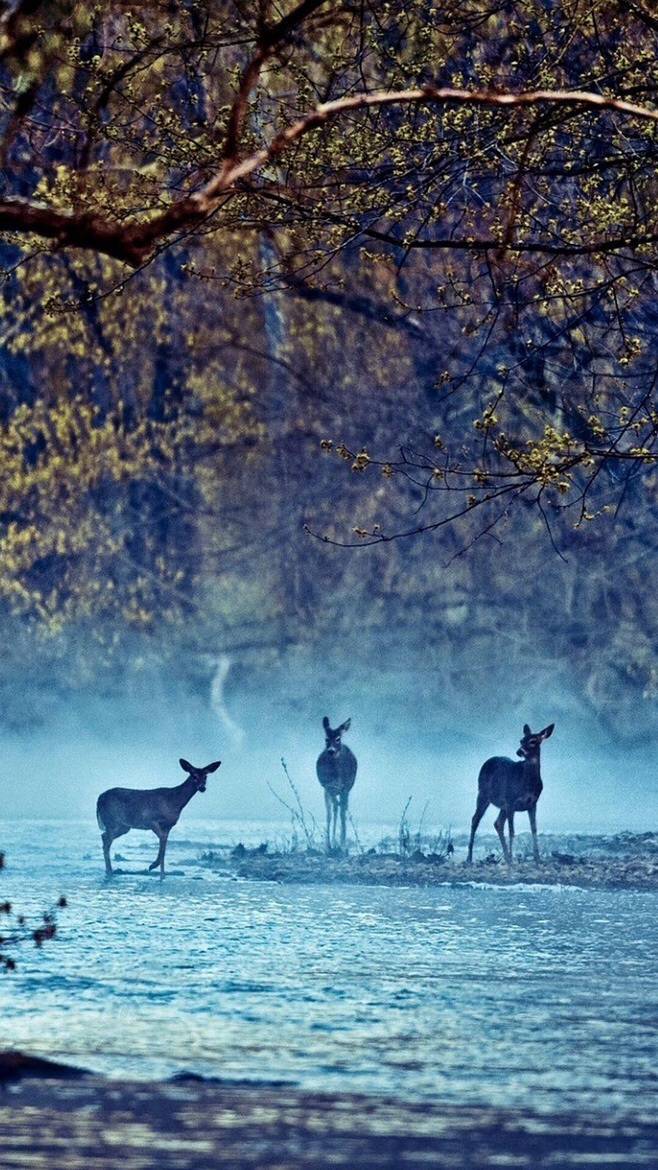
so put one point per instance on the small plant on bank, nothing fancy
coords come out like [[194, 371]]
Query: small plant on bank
[[303, 823], [414, 844], [404, 832]]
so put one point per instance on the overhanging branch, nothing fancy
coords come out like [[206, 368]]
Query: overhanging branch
[[134, 240]]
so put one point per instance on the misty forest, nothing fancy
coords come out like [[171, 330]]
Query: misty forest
[[329, 454]]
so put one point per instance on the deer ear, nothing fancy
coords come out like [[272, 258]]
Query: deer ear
[[325, 723], [346, 725], [548, 731], [185, 766], [213, 767], [526, 729]]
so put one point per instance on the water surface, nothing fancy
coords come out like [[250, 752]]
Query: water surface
[[540, 997]]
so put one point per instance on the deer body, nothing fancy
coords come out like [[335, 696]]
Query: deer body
[[511, 786], [336, 769], [121, 809]]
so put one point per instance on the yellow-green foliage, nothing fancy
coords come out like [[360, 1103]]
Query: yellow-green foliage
[[474, 284]]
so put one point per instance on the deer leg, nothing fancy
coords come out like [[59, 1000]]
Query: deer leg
[[480, 809], [334, 825], [327, 804], [155, 864], [532, 813], [107, 840], [162, 835], [510, 825], [499, 826], [344, 798], [163, 847]]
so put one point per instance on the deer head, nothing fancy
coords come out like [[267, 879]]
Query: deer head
[[532, 741], [198, 775], [333, 742]]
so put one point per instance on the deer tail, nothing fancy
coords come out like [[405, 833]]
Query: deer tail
[[101, 825]]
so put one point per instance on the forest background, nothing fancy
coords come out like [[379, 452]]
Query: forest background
[[284, 278]]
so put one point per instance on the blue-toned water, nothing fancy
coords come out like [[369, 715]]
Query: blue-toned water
[[535, 997]]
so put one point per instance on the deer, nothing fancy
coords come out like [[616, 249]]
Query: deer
[[121, 809], [512, 786], [336, 770]]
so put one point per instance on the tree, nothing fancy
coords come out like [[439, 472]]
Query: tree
[[487, 182], [35, 40], [425, 237]]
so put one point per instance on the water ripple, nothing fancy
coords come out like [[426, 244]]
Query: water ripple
[[516, 996]]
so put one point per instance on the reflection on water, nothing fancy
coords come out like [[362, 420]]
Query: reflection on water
[[535, 997]]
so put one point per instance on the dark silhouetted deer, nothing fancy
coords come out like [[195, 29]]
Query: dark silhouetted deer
[[336, 769], [121, 809], [512, 787]]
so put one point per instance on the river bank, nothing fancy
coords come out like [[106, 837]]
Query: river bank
[[76, 1124], [622, 861]]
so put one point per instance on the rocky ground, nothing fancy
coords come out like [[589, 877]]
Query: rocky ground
[[620, 861]]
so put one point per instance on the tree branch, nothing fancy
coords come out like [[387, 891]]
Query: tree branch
[[133, 241], [272, 37]]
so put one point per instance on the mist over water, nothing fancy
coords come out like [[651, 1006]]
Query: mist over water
[[408, 744]]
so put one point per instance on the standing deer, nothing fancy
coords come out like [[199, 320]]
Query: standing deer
[[336, 769], [512, 787], [121, 809]]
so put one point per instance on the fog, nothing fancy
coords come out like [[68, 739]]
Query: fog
[[405, 748]]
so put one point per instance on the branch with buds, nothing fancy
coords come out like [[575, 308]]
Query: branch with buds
[[135, 240]]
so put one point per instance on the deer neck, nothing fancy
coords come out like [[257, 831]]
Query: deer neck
[[531, 768], [184, 792]]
